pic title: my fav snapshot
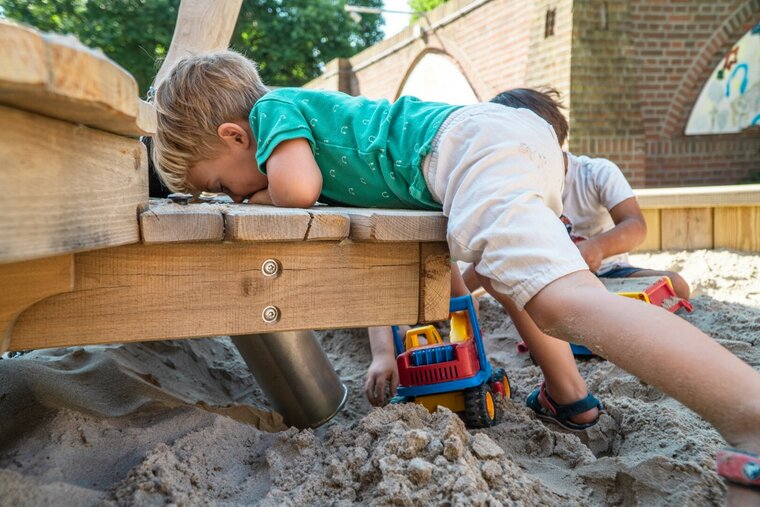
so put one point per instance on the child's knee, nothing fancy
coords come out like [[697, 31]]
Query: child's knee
[[680, 285], [563, 298]]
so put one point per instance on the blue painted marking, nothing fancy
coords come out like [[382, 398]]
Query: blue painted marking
[[743, 85]]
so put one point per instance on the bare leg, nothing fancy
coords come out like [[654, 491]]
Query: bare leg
[[471, 278], [679, 284], [659, 348], [563, 380]]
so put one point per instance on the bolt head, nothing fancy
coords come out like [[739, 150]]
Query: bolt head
[[271, 314], [270, 267], [179, 198]]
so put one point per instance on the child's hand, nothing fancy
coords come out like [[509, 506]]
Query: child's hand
[[261, 197], [382, 370], [591, 253]]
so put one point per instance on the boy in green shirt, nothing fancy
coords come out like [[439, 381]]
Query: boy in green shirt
[[495, 172]]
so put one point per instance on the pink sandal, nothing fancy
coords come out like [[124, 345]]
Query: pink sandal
[[739, 467]]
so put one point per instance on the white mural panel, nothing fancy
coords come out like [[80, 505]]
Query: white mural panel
[[730, 100], [436, 78]]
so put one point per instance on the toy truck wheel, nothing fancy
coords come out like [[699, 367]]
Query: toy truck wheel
[[500, 383], [480, 409]]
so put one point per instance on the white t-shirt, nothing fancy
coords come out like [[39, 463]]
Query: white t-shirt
[[593, 186]]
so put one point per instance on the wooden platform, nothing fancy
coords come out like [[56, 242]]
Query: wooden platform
[[85, 258], [206, 269]]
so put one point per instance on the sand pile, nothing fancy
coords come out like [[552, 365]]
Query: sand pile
[[184, 422]]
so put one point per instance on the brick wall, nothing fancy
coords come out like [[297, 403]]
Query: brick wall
[[630, 71]]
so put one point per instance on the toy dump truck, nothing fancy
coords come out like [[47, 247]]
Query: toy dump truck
[[456, 373]]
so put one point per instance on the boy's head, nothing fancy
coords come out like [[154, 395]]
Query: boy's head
[[545, 103], [198, 105]]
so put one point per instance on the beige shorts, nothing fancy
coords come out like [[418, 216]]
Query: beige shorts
[[498, 172]]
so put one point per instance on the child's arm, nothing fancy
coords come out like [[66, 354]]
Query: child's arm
[[383, 368], [629, 231], [294, 177]]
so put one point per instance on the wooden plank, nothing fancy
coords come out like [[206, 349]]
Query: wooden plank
[[738, 228], [687, 229], [59, 77], [24, 283], [149, 292], [166, 222], [653, 240], [66, 188], [269, 223], [395, 225], [435, 282], [328, 224], [699, 197]]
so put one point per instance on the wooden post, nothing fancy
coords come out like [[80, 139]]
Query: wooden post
[[25, 283]]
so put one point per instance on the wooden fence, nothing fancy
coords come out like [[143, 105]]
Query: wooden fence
[[693, 218]]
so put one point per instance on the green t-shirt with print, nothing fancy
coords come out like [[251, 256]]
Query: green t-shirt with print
[[369, 151]]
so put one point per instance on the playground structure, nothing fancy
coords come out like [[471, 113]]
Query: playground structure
[[87, 258]]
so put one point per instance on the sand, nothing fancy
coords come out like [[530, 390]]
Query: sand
[[184, 423]]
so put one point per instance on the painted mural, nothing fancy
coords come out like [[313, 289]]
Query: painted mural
[[730, 100], [437, 78]]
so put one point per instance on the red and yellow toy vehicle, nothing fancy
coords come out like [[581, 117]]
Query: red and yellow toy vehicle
[[454, 374]]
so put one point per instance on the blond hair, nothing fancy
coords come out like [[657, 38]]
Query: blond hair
[[199, 94]]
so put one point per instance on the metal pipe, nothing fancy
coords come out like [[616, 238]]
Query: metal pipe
[[295, 375]]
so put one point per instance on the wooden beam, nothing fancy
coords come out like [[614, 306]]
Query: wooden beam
[[165, 222], [687, 229], [435, 282], [24, 283], [269, 223], [699, 197], [151, 292], [66, 188], [653, 241], [738, 228], [57, 76], [395, 225], [202, 26]]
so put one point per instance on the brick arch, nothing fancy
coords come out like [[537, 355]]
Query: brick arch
[[746, 14], [438, 44]]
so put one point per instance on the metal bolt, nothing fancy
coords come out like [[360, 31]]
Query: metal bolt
[[178, 198], [271, 314], [270, 267]]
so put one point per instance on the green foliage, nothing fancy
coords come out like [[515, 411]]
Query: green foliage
[[290, 39], [133, 33], [422, 6]]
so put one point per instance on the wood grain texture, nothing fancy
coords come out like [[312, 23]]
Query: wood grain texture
[[24, 283], [166, 222], [202, 26], [395, 225], [59, 77], [435, 282], [699, 197], [738, 228], [269, 223], [66, 188], [687, 229], [653, 240], [150, 292]]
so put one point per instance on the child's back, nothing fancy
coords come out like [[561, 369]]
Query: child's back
[[370, 151]]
